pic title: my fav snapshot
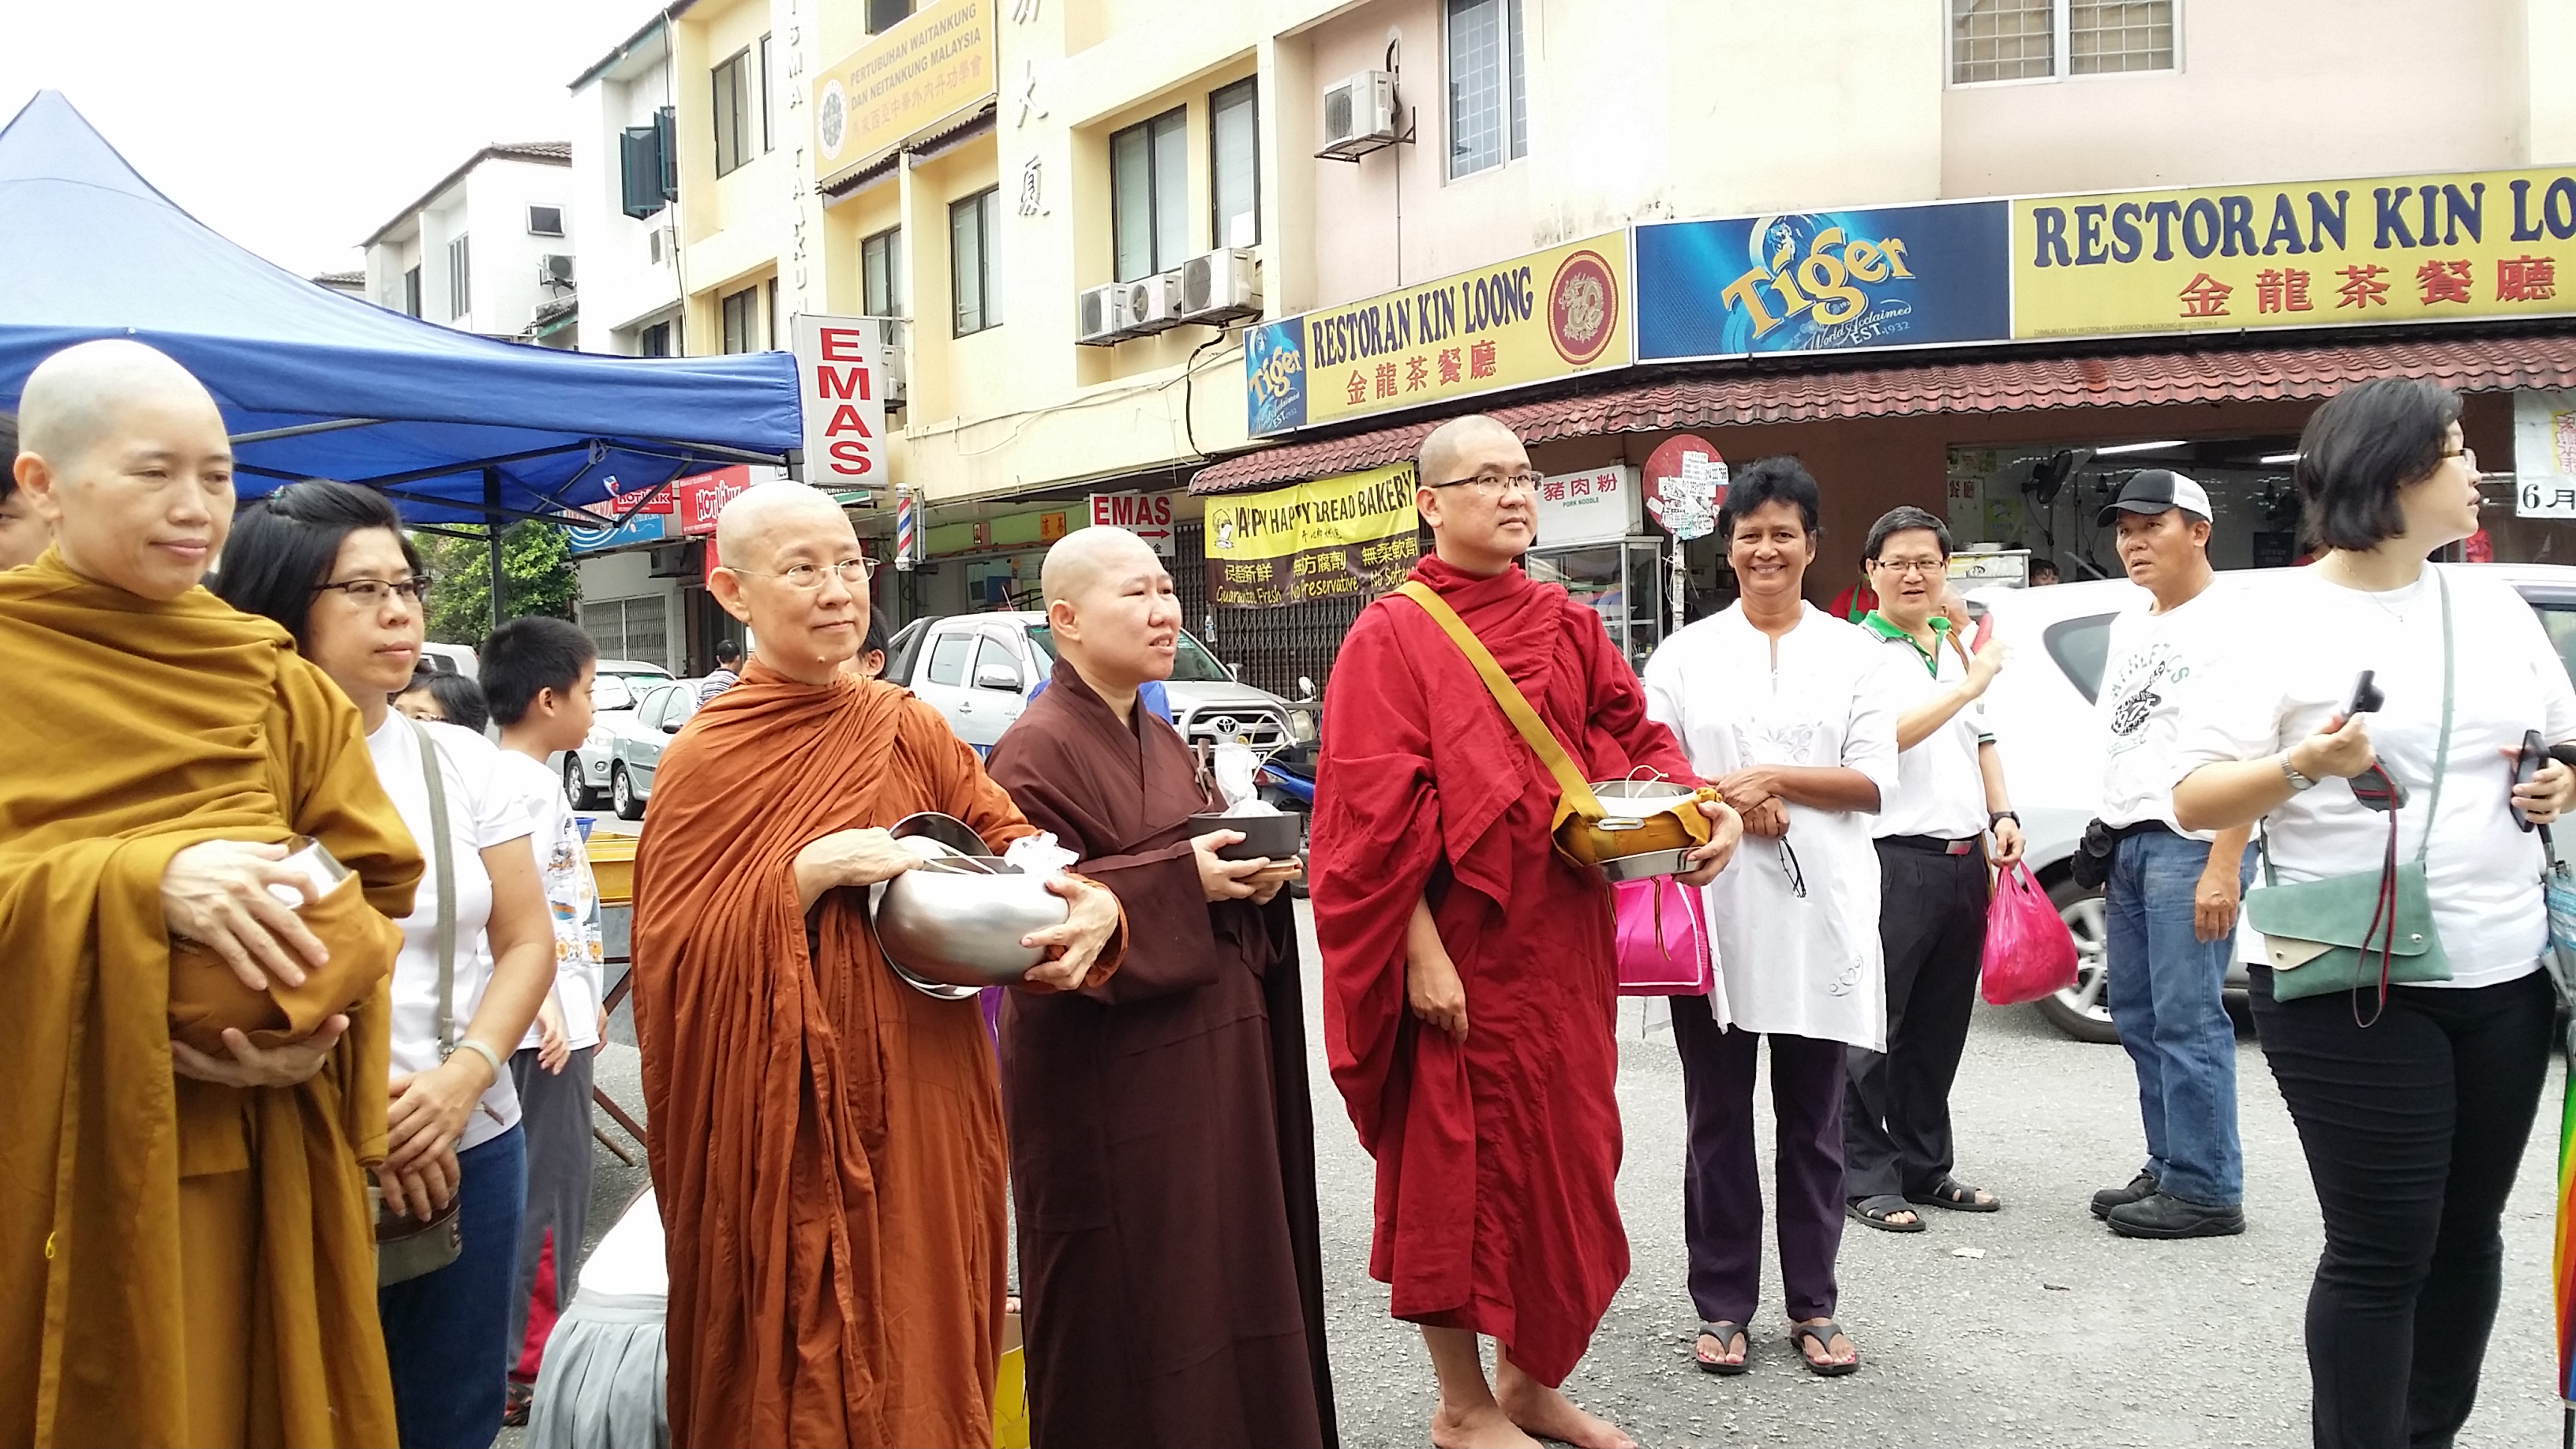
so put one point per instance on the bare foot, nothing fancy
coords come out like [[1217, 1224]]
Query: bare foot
[[1545, 1412], [1484, 1426]]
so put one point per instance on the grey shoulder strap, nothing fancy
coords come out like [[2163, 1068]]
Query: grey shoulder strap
[[442, 862]]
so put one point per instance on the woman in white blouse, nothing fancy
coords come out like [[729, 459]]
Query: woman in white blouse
[[2413, 1108], [1780, 704], [331, 564]]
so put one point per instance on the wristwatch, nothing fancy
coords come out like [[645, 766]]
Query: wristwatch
[[2289, 772], [2000, 816]]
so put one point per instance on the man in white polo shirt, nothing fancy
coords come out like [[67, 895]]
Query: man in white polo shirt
[[1931, 836], [2171, 896]]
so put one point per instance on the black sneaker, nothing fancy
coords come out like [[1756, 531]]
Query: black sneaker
[[2166, 1216], [2140, 1188]]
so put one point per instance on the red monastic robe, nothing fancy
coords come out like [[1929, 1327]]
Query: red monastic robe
[[1496, 1160]]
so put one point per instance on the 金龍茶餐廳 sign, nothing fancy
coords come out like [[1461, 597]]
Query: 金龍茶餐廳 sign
[[2302, 254], [1547, 315], [1341, 537]]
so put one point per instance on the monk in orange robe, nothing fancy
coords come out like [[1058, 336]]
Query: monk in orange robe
[[826, 1140], [186, 1248], [1469, 987]]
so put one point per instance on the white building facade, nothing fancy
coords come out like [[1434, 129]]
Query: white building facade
[[489, 249]]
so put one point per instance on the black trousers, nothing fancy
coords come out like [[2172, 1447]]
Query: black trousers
[[1896, 1115], [2413, 1129], [1722, 1187]]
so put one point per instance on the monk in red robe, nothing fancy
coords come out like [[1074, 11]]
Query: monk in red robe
[[1162, 1139], [1470, 992], [826, 1140]]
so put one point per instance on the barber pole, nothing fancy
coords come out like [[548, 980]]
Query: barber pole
[[907, 526]]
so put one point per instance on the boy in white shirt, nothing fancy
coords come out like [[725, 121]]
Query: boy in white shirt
[[537, 675]]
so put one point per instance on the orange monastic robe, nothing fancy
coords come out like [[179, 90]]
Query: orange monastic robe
[[826, 1141], [180, 1263]]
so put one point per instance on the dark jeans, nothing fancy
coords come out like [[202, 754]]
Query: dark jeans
[[1721, 1185], [1896, 1117], [447, 1333], [2167, 998], [2413, 1129]]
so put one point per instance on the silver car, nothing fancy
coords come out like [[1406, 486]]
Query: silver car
[[636, 743], [613, 693]]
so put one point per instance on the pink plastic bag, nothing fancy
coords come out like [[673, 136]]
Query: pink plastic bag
[[2029, 951], [1662, 939]]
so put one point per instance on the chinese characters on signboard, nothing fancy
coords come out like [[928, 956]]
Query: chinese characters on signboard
[[2544, 454], [1597, 506], [902, 82], [1354, 535]]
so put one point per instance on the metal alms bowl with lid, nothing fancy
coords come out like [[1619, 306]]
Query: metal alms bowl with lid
[[1641, 817], [953, 926]]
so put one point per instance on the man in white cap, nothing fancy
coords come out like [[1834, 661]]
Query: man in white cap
[[2171, 895]]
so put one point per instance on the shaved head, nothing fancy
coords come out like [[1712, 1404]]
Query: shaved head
[[1438, 460], [769, 529], [763, 513], [1082, 559], [123, 454], [75, 398]]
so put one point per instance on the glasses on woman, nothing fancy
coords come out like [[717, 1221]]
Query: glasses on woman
[[810, 576], [1494, 483], [2466, 455], [368, 593]]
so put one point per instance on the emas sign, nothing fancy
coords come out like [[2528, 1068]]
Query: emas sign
[[840, 376]]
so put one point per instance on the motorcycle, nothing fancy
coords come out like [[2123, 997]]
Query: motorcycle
[[1287, 778]]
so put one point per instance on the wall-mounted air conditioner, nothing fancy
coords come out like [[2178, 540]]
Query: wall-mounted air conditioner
[[1359, 114], [554, 271], [661, 244], [1220, 286], [892, 367], [1101, 318], [1154, 303]]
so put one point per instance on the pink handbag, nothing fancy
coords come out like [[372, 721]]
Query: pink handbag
[[1662, 941]]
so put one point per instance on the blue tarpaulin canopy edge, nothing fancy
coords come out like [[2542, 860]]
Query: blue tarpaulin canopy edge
[[315, 384]]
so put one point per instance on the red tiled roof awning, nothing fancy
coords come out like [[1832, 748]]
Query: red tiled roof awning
[[2470, 363]]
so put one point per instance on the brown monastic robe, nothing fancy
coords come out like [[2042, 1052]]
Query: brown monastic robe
[[1162, 1141], [180, 1262], [826, 1141]]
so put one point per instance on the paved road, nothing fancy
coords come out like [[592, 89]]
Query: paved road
[[2048, 1332]]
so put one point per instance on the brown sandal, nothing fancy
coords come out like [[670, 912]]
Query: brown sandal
[[1725, 1333], [1824, 1334]]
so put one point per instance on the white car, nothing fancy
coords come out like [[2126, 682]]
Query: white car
[[2041, 708], [613, 695]]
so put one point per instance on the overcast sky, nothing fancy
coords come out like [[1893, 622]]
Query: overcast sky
[[296, 127]]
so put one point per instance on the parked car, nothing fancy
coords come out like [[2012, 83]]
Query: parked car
[[636, 743], [978, 670], [450, 659], [2041, 708], [613, 696]]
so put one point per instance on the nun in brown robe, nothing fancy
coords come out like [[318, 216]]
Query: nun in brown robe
[[1161, 1136]]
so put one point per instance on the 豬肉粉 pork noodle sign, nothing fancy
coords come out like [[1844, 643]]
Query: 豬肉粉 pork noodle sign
[[2300, 254]]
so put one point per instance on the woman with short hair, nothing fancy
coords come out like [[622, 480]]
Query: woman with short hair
[[2413, 1101], [1783, 707], [330, 563]]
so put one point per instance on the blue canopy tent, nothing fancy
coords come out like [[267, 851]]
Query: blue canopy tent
[[313, 384]]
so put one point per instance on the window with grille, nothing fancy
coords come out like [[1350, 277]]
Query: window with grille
[[2008, 40], [733, 114], [460, 278], [741, 320], [881, 274], [1148, 191], [637, 628], [885, 15], [1488, 99], [972, 224], [1234, 166]]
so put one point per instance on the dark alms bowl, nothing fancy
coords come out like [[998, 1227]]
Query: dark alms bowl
[[1265, 837]]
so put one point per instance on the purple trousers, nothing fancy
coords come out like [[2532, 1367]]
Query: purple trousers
[[1722, 1187]]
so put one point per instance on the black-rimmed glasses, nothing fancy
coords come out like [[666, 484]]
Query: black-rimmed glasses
[[371, 592]]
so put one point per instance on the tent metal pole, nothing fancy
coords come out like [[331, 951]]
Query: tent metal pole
[[492, 510], [302, 430]]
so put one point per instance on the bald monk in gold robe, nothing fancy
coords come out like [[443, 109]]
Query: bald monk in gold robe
[[826, 1141], [186, 1251]]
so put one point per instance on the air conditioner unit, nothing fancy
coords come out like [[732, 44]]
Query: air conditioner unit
[[1219, 286], [1359, 114], [891, 366], [554, 271], [661, 244], [1154, 303], [1101, 318]]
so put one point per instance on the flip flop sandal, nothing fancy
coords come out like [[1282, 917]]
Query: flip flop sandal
[[1874, 1211], [1823, 1334], [1725, 1333], [1955, 1195]]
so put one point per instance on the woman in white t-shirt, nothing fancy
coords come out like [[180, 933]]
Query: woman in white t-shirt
[[330, 563], [2413, 1112]]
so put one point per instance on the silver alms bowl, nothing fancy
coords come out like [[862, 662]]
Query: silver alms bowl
[[952, 930]]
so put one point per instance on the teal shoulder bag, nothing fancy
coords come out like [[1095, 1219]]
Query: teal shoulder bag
[[2340, 933]]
